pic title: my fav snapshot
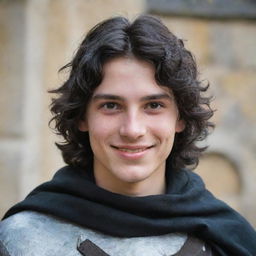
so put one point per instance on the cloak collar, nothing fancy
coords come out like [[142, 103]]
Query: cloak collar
[[186, 207]]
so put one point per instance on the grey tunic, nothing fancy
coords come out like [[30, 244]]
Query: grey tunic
[[34, 234]]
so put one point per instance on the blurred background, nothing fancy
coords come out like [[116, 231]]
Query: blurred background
[[37, 37]]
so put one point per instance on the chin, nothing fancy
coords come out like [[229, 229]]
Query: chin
[[133, 176]]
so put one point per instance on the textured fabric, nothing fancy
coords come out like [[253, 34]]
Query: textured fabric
[[187, 207]]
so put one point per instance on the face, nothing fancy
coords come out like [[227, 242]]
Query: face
[[131, 122]]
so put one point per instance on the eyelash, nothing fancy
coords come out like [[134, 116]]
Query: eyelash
[[159, 105], [113, 106], [107, 104]]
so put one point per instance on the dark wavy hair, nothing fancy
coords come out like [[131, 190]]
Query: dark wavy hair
[[145, 38]]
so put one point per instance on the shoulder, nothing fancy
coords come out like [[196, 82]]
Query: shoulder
[[31, 233]]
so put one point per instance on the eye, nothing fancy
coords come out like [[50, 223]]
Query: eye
[[154, 105], [110, 105]]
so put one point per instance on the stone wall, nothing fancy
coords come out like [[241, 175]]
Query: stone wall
[[39, 36]]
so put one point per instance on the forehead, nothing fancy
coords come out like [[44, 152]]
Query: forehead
[[129, 76], [124, 65]]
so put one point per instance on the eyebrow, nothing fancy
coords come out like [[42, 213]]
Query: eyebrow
[[104, 96], [145, 98], [157, 97]]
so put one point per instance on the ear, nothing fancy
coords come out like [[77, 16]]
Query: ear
[[82, 126], [180, 125]]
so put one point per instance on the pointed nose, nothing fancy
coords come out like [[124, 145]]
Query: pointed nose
[[133, 127]]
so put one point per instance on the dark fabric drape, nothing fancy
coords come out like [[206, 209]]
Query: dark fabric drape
[[186, 207]]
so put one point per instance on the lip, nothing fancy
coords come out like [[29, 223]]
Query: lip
[[132, 152]]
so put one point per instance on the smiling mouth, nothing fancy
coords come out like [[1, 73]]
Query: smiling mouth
[[132, 150]]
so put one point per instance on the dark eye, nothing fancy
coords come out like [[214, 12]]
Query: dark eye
[[155, 105], [110, 105]]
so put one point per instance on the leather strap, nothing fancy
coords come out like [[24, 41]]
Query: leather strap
[[88, 248], [195, 247], [192, 247]]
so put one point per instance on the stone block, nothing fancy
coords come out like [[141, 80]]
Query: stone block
[[232, 44], [243, 39], [216, 167], [10, 160], [217, 9], [241, 86], [11, 67]]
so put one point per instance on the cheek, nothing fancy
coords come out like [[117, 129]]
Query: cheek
[[164, 128], [96, 139], [165, 132], [100, 131]]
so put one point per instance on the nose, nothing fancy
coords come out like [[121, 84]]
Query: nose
[[132, 127]]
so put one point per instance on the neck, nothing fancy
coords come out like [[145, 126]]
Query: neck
[[154, 186], [133, 189]]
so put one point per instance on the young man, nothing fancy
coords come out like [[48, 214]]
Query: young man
[[131, 113]]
